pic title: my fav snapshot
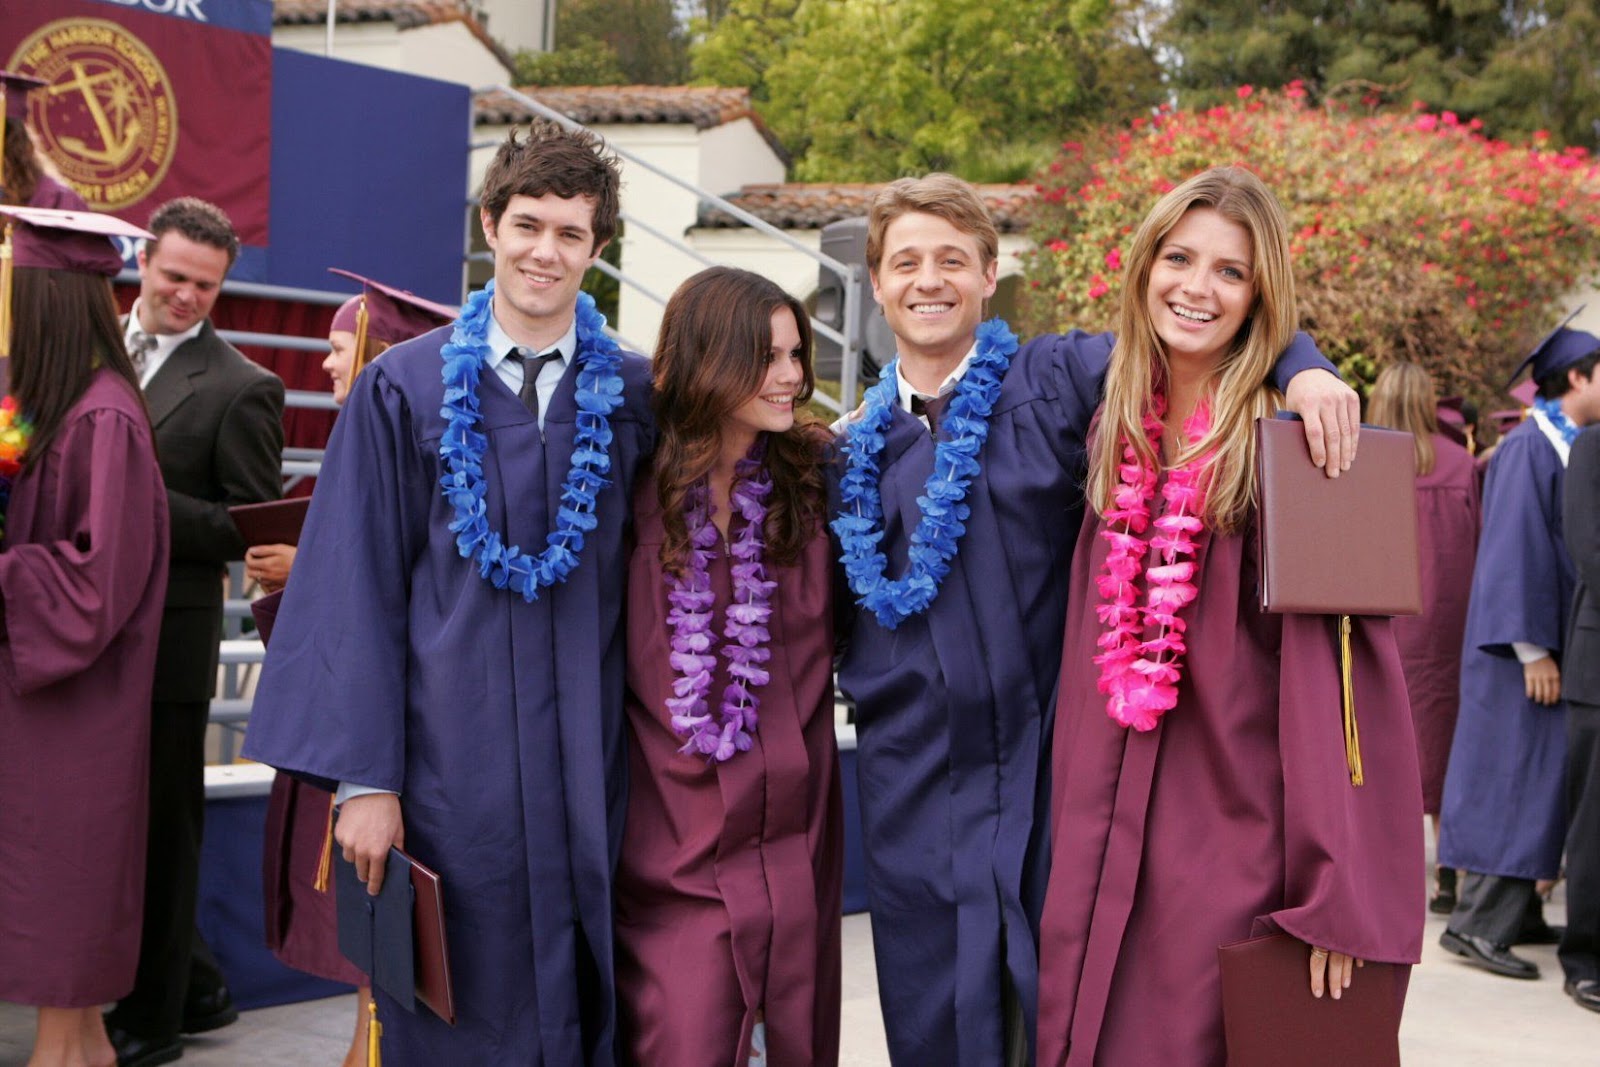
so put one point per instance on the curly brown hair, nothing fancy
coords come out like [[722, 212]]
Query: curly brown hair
[[552, 159], [715, 340]]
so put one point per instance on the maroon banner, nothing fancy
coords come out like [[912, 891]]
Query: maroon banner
[[142, 107]]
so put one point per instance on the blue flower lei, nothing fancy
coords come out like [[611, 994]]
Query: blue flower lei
[[462, 446], [1558, 418], [943, 504]]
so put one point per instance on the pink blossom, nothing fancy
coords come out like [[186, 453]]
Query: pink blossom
[[1244, 91], [1114, 259]]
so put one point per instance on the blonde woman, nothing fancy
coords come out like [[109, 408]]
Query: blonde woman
[[1403, 397], [1200, 792]]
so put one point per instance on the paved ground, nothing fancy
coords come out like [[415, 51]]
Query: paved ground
[[1456, 1016]]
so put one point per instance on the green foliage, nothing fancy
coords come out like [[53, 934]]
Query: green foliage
[[611, 42], [865, 90], [1518, 65], [1414, 236]]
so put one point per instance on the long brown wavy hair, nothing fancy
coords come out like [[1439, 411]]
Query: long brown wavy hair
[[65, 329], [715, 343], [21, 165]]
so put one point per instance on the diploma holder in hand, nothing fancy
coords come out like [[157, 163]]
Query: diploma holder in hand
[[1338, 546]]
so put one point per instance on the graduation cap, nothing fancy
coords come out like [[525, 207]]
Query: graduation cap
[[1452, 420], [1560, 349], [383, 313], [52, 239]]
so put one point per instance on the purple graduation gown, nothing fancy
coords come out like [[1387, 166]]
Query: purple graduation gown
[[83, 574], [1430, 643], [954, 709], [1236, 810], [729, 885], [302, 922], [1504, 809], [52, 194], [499, 722]]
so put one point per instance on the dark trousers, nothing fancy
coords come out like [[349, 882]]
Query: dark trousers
[[170, 946], [1580, 945], [1496, 908]]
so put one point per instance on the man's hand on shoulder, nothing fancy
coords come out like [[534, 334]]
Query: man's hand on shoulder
[[367, 826], [1332, 414]]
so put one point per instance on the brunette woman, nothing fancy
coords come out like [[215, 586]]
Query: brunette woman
[[1200, 789], [728, 889], [83, 575], [1447, 544]]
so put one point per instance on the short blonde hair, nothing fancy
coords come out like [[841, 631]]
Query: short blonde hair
[[944, 195]]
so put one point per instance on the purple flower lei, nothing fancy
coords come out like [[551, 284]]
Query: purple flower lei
[[691, 600]]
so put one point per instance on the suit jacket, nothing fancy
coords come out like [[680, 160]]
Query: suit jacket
[[218, 422], [1580, 521]]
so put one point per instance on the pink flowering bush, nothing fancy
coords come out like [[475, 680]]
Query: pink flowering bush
[[1414, 236]]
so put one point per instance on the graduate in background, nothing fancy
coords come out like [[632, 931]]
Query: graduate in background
[[23, 178], [960, 500], [450, 653], [729, 887], [1201, 799], [1447, 542], [1504, 811], [83, 574], [301, 920]]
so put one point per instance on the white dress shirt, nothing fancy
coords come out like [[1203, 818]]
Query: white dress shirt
[[166, 344]]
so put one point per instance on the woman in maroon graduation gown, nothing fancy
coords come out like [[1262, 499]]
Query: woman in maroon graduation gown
[[296, 869], [1200, 788], [728, 889], [1447, 545], [83, 574]]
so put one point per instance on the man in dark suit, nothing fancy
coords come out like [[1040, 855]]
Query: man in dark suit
[[219, 433], [1580, 685]]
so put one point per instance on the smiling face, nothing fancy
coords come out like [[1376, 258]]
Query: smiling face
[[179, 282], [542, 248], [931, 283], [1202, 286], [772, 408], [341, 358]]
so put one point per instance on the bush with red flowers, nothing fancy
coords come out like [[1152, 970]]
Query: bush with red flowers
[[1414, 236]]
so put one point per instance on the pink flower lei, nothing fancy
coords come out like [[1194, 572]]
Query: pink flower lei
[[689, 615], [1139, 675]]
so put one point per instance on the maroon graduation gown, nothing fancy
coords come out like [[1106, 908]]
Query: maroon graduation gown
[[1430, 643], [302, 922], [1236, 809], [83, 574], [728, 888]]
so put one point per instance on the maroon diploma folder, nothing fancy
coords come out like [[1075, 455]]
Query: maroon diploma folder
[[1271, 1019], [276, 522]]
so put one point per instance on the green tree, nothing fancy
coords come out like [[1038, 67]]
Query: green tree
[[611, 42], [871, 89], [585, 63]]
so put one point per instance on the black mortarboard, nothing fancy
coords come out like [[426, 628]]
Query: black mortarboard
[[1560, 349]]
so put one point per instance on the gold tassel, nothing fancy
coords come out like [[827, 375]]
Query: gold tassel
[[5, 292], [359, 360], [1352, 735], [374, 1034], [325, 860]]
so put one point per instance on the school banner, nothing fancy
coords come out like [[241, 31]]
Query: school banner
[[152, 99]]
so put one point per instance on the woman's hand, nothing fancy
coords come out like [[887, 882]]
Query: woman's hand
[[269, 565], [1331, 971], [1331, 411]]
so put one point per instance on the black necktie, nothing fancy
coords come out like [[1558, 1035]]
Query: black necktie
[[531, 366], [931, 408]]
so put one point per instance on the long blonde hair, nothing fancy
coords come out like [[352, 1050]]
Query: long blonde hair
[[1404, 398], [1238, 392]]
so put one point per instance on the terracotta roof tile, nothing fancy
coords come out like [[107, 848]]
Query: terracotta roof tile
[[805, 206]]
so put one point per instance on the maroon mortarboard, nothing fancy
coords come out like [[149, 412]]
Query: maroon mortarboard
[[1452, 423], [1525, 392], [1560, 349], [385, 313], [78, 241], [14, 90]]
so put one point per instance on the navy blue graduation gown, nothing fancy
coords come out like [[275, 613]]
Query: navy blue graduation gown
[[955, 710], [499, 723], [1503, 810]]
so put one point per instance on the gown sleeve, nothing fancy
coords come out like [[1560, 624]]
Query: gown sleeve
[[1301, 355], [1519, 551], [63, 601], [1352, 854], [330, 705]]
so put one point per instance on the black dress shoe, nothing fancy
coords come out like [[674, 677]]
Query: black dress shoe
[[135, 1051], [1543, 934], [1481, 952], [210, 1011], [1586, 991]]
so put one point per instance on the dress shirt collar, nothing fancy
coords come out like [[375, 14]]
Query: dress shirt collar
[[945, 387], [166, 343], [501, 344]]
